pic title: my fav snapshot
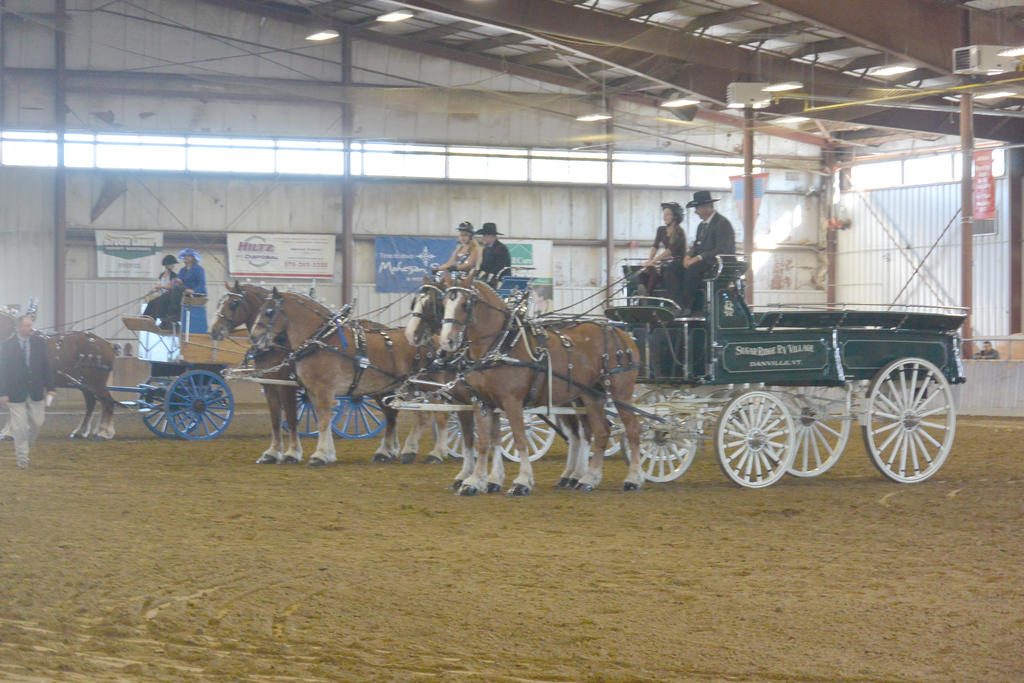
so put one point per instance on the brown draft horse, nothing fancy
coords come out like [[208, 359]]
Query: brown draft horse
[[240, 306], [79, 360], [424, 324], [514, 366], [333, 358]]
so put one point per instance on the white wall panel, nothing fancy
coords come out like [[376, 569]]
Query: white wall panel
[[26, 239], [891, 234]]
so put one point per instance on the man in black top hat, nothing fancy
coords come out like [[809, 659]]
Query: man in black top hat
[[714, 236], [496, 260]]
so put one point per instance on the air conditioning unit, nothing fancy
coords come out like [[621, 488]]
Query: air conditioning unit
[[982, 60], [747, 95]]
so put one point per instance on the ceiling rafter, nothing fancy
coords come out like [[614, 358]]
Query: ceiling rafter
[[654, 7], [922, 31]]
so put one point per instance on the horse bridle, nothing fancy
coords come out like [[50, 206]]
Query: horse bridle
[[237, 298], [431, 297]]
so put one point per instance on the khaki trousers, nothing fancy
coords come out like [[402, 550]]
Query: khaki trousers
[[26, 419]]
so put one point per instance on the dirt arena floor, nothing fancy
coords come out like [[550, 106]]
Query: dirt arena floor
[[159, 560]]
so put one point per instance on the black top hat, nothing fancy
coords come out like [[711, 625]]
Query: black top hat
[[700, 197], [489, 229], [466, 226], [169, 260]]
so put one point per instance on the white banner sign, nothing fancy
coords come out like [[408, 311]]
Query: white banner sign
[[128, 254], [280, 255]]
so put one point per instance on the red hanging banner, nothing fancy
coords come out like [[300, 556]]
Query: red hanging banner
[[984, 188]]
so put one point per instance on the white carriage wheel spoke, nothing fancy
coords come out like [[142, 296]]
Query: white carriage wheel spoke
[[919, 405], [892, 404], [933, 425], [924, 449], [895, 450], [923, 434], [936, 411], [885, 444], [817, 451], [892, 424], [801, 447], [913, 453], [821, 426], [734, 444]]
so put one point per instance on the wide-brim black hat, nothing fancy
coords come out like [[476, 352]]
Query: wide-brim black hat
[[489, 229], [466, 226], [169, 260], [700, 197]]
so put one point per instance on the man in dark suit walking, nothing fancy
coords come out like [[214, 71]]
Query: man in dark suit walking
[[714, 236], [25, 380]]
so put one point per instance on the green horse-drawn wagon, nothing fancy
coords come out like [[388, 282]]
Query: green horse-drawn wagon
[[781, 388]]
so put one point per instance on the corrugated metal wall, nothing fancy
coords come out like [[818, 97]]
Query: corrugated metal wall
[[26, 239], [891, 233]]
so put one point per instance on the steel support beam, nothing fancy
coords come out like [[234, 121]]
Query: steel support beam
[[748, 201], [921, 31], [967, 215], [347, 187], [1015, 186], [60, 222]]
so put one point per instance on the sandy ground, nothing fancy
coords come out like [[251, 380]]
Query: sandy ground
[[159, 560]]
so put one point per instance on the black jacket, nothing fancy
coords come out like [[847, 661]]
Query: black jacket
[[496, 260], [18, 382], [713, 238]]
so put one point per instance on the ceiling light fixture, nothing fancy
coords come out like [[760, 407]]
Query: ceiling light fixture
[[791, 119], [679, 102], [323, 35], [894, 70], [590, 118], [995, 95], [1012, 52], [397, 15], [782, 87]]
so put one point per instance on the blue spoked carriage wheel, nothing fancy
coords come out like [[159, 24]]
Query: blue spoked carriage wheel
[[357, 417], [153, 399], [305, 416], [156, 420], [199, 405]]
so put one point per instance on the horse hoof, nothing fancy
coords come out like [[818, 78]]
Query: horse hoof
[[317, 462], [519, 490], [72, 435], [267, 460], [467, 490], [433, 460], [382, 457], [97, 437], [408, 458], [584, 488], [630, 486], [493, 488], [290, 460], [564, 483], [456, 485], [573, 483]]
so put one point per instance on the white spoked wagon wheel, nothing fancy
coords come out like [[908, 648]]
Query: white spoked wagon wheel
[[821, 421], [539, 437], [667, 450], [754, 439], [453, 437], [911, 420]]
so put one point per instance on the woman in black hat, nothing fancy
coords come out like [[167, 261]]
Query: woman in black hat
[[155, 306], [666, 264], [466, 256]]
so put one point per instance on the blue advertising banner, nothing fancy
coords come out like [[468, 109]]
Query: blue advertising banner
[[402, 262]]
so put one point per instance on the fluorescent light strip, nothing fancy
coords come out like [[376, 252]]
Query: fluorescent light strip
[[679, 102], [782, 87], [397, 15], [323, 35], [589, 118]]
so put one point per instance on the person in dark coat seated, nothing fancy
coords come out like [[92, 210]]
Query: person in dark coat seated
[[496, 261], [714, 236]]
